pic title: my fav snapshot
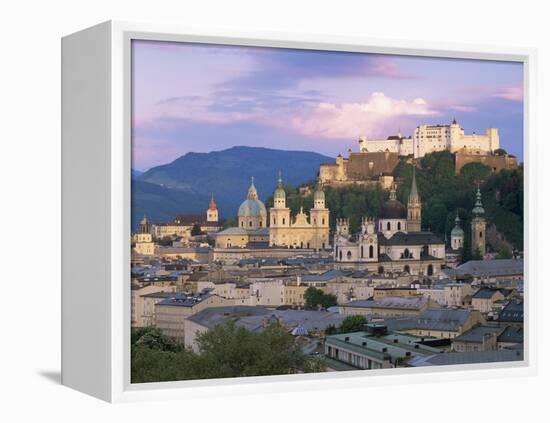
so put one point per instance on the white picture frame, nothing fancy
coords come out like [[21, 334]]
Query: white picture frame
[[96, 149]]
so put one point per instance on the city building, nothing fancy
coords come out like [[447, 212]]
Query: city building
[[431, 138], [446, 323], [489, 270], [256, 319], [388, 306], [375, 348], [302, 231], [485, 298], [393, 243], [171, 312], [137, 293], [143, 240], [360, 168]]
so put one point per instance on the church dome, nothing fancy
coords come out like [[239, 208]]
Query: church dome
[[249, 208], [252, 206], [457, 232], [393, 209]]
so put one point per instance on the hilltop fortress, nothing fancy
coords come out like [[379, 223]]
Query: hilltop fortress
[[376, 159]]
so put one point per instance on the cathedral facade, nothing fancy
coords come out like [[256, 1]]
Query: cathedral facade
[[283, 230], [302, 231], [392, 243]]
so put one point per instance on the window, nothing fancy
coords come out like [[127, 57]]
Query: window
[[348, 255], [398, 226], [388, 226], [323, 220], [371, 251], [362, 252], [283, 220], [250, 223]]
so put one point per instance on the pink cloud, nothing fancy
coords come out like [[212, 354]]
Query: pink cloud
[[510, 93], [374, 117]]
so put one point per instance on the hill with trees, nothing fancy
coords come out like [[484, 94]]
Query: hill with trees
[[443, 194]]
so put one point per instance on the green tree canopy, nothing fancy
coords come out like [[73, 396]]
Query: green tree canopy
[[314, 297]]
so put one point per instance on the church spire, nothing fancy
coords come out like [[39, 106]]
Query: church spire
[[478, 209], [393, 195], [413, 195], [414, 206], [252, 193], [212, 205]]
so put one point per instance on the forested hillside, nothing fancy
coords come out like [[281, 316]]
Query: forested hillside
[[443, 194]]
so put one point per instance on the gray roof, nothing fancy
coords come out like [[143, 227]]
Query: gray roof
[[485, 293], [512, 312], [182, 299], [324, 277], [243, 231], [254, 318], [472, 357], [406, 303], [443, 319], [390, 346], [511, 334], [477, 334], [502, 267], [411, 238]]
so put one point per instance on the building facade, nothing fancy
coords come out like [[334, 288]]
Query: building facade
[[393, 243], [303, 231]]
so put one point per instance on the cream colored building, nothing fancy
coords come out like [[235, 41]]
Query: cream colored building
[[142, 297], [392, 243], [302, 231], [170, 313], [485, 298], [143, 240], [393, 144], [388, 306], [430, 138]]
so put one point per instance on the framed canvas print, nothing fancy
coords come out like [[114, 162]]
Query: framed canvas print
[[258, 212]]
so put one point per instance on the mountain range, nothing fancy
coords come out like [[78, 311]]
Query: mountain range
[[186, 184]]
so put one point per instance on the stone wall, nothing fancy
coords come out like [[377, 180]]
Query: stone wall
[[496, 163]]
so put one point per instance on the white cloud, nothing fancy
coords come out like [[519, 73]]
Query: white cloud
[[374, 117]]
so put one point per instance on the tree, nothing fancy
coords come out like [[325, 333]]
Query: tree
[[314, 297], [196, 230], [504, 253], [352, 324], [224, 351]]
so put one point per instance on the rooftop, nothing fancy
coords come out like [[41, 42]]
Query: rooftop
[[472, 357], [404, 303], [502, 267], [443, 319], [254, 318]]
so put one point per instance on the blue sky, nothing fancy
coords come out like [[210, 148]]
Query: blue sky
[[197, 97]]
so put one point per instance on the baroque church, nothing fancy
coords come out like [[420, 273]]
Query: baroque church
[[393, 243], [301, 231]]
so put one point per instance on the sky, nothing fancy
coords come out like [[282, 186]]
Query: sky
[[200, 98]]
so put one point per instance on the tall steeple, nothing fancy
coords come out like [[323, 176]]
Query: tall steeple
[[414, 207], [478, 226], [393, 195], [319, 196], [252, 193], [212, 211], [279, 196]]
